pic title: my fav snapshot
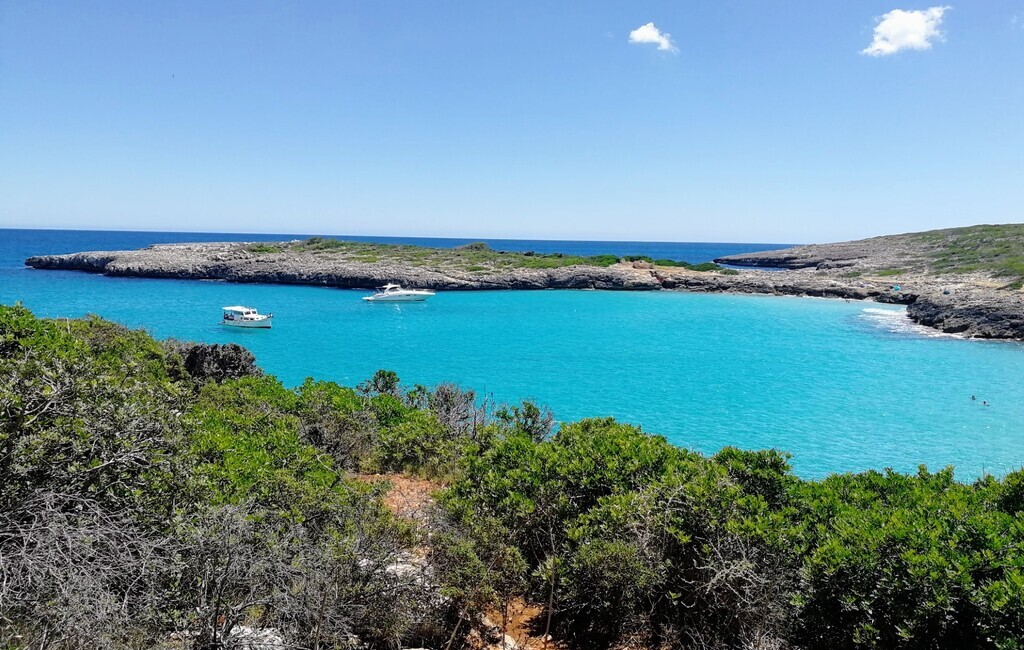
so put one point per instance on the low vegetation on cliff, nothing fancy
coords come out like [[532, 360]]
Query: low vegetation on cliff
[[171, 495], [475, 257], [996, 249], [993, 251]]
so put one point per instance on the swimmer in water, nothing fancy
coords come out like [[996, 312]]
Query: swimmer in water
[[973, 398]]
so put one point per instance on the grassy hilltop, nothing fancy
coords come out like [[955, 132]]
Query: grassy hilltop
[[985, 252], [995, 250], [171, 495]]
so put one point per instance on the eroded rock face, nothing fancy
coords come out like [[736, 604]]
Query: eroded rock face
[[980, 314]]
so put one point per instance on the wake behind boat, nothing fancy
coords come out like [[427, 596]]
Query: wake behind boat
[[395, 293], [239, 316]]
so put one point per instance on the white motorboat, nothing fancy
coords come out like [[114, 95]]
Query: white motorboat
[[239, 316], [395, 293]]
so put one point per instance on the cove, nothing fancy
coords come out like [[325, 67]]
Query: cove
[[842, 386]]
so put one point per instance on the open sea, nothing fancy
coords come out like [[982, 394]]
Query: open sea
[[843, 386]]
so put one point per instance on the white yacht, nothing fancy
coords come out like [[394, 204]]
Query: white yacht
[[395, 293], [239, 316]]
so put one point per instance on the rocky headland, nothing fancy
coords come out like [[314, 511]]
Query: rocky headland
[[965, 281], [236, 262]]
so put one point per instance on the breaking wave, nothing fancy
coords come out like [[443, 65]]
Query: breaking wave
[[896, 321]]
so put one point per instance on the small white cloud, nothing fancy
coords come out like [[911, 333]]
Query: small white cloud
[[650, 34], [1017, 21], [906, 30]]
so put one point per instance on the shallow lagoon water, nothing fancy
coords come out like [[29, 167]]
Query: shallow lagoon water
[[843, 386]]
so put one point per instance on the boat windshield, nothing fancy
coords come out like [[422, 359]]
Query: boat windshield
[[239, 311]]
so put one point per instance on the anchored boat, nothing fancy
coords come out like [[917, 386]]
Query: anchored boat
[[395, 293], [239, 316]]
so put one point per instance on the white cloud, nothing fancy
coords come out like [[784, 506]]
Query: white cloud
[[906, 30], [650, 34]]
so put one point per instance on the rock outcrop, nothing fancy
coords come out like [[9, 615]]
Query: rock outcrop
[[216, 362], [959, 281], [232, 262], [977, 313], [906, 252]]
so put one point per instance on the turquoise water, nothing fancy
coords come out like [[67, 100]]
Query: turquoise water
[[843, 386]]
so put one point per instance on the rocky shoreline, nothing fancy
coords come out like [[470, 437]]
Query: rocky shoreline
[[232, 262], [952, 304]]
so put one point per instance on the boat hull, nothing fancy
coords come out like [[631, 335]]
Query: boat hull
[[420, 298], [248, 324]]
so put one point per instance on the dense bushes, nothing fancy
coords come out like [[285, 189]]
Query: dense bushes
[[149, 500], [702, 266], [139, 501], [627, 537]]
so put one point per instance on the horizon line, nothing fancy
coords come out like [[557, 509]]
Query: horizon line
[[470, 239]]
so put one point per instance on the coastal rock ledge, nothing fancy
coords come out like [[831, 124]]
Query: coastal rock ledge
[[967, 305], [235, 262]]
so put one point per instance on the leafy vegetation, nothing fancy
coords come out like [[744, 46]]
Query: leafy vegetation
[[265, 248], [171, 495], [141, 503]]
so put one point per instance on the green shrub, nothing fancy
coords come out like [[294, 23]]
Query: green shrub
[[705, 266], [265, 248], [765, 473], [416, 443], [326, 244], [894, 562], [602, 260], [475, 246], [388, 409]]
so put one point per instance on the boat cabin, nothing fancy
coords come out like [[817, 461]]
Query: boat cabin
[[240, 313]]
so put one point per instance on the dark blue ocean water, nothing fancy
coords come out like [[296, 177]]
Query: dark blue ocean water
[[15, 243], [843, 386]]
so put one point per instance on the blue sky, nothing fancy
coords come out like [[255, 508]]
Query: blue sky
[[751, 121]]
